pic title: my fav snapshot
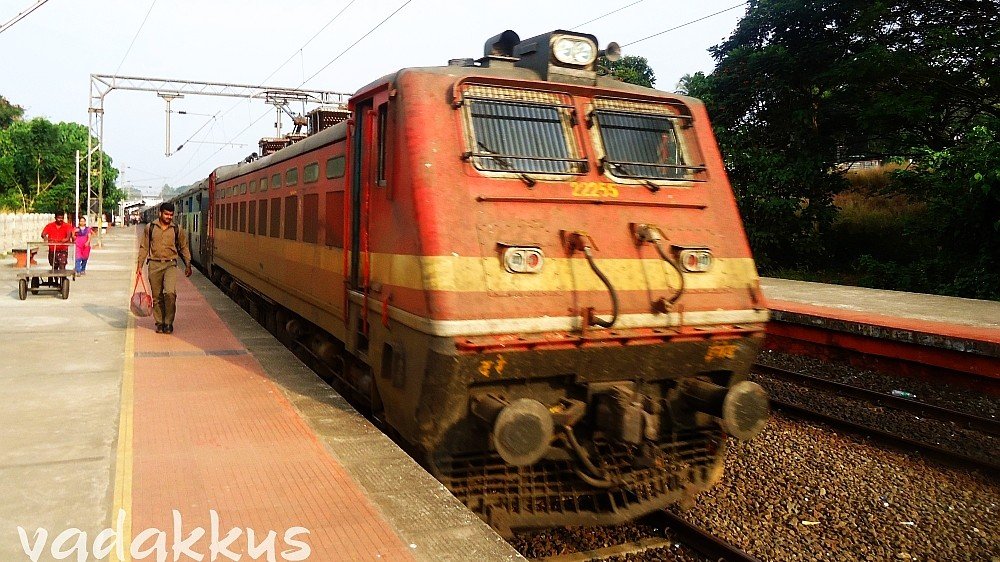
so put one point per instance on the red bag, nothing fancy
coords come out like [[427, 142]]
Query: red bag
[[142, 302]]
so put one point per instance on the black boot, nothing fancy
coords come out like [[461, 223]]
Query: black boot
[[169, 308]]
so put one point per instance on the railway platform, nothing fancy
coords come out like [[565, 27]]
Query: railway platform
[[922, 335], [213, 440]]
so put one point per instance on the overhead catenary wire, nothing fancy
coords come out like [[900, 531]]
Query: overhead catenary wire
[[136, 36], [20, 16], [324, 67], [360, 39], [607, 14], [685, 24], [265, 79]]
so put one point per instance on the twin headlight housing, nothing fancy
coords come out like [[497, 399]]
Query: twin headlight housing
[[577, 51]]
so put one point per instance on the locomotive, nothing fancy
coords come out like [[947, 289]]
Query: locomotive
[[534, 275]]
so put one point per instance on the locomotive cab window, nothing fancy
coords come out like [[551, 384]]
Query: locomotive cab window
[[521, 133], [642, 141]]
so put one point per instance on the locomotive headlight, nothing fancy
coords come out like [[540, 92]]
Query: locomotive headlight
[[574, 50], [519, 259]]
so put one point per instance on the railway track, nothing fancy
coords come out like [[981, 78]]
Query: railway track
[[681, 531], [866, 396]]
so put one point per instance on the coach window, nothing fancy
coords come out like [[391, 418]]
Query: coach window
[[262, 218], [263, 183], [521, 132], [335, 167], [292, 176], [275, 181], [310, 216], [243, 216], [218, 209], [276, 217], [291, 216], [253, 186], [243, 188], [310, 173], [383, 117], [252, 218]]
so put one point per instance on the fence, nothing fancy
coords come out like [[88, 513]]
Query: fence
[[18, 228]]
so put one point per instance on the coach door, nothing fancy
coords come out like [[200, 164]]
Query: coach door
[[368, 158], [359, 182]]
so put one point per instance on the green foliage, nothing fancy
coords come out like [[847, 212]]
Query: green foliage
[[801, 87], [960, 232], [38, 166], [9, 113], [631, 69]]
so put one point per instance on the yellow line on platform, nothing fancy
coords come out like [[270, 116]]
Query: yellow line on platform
[[122, 503]]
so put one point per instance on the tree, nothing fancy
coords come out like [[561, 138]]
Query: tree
[[167, 192], [9, 113], [802, 86], [631, 69], [38, 166]]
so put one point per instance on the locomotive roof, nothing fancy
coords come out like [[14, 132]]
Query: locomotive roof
[[339, 131], [517, 73]]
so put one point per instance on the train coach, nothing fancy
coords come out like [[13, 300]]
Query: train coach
[[534, 274]]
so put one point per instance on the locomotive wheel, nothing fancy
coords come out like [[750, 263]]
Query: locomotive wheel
[[65, 288], [34, 285], [22, 289]]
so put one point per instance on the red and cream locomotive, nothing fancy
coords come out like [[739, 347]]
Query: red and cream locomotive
[[535, 274]]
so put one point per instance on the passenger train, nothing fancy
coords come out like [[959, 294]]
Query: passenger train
[[534, 274]]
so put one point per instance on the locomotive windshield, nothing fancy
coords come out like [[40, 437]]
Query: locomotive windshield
[[641, 145], [522, 138]]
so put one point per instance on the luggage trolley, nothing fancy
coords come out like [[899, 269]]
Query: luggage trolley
[[48, 278]]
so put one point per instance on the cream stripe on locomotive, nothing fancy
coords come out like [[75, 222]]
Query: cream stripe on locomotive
[[466, 274], [451, 328]]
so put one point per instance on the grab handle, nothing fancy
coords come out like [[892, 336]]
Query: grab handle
[[646, 233], [581, 241]]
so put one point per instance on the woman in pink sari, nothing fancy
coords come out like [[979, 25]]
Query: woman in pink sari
[[82, 234]]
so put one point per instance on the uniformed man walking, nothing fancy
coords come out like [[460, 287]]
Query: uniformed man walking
[[163, 243]]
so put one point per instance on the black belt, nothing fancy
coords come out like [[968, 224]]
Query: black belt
[[164, 260]]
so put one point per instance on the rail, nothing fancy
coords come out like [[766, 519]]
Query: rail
[[695, 538], [916, 407], [891, 439]]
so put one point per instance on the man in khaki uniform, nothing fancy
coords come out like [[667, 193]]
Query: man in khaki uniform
[[162, 243]]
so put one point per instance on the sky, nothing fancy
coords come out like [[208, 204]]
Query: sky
[[46, 59]]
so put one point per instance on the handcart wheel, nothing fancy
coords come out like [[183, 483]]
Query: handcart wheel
[[34, 285], [22, 289], [65, 288]]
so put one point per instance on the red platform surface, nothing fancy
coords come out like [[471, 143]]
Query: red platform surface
[[212, 432], [923, 332]]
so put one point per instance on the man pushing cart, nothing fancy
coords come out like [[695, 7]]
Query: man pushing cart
[[59, 236]]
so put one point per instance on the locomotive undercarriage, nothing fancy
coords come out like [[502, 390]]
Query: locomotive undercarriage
[[634, 428], [550, 492], [536, 446]]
